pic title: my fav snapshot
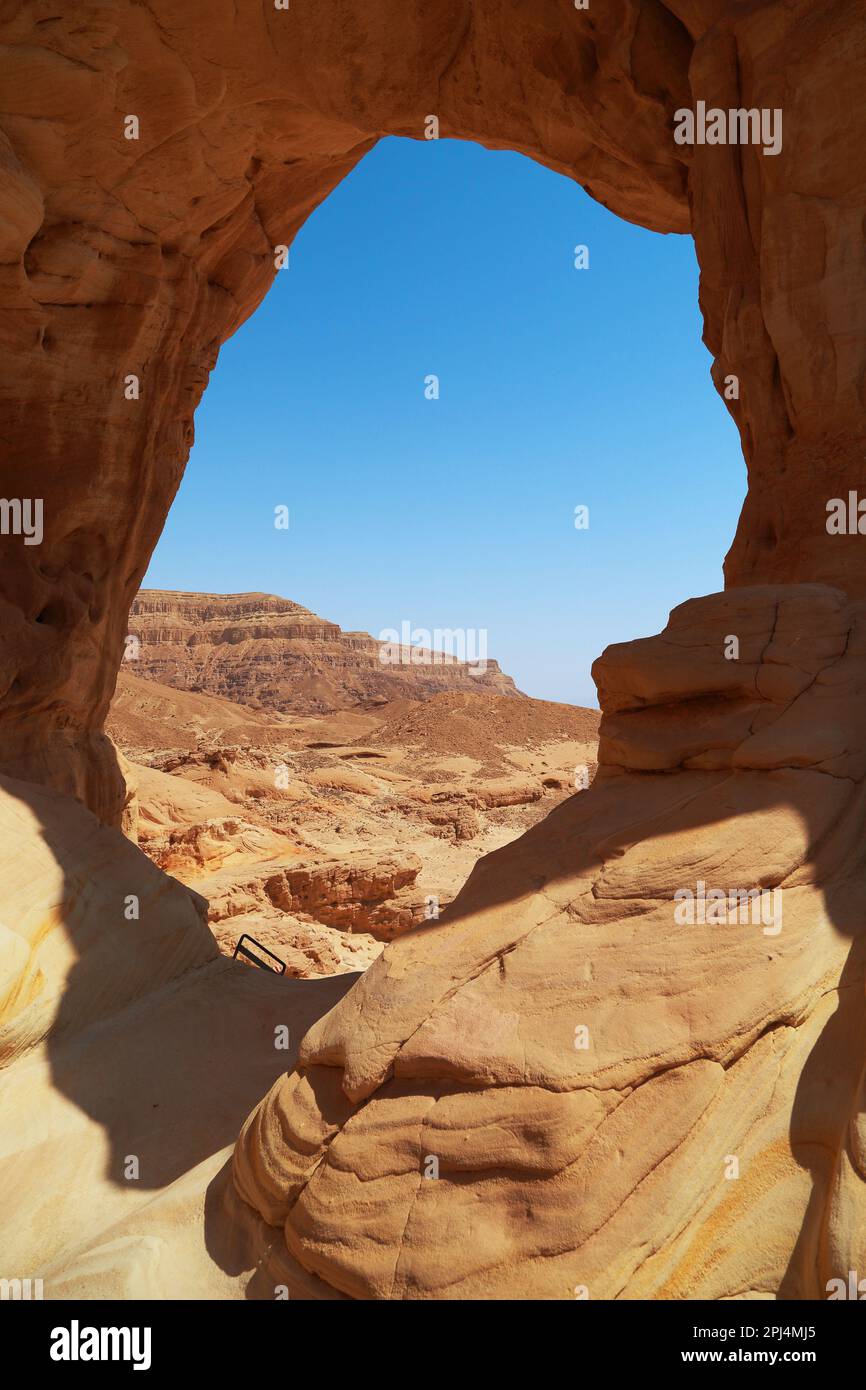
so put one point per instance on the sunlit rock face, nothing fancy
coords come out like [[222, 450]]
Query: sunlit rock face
[[615, 1099], [626, 1047], [270, 653]]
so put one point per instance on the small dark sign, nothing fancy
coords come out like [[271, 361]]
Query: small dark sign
[[241, 950]]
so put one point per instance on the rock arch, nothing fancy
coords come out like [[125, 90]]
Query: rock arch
[[140, 256]]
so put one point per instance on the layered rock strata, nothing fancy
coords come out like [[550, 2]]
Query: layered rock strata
[[269, 653]]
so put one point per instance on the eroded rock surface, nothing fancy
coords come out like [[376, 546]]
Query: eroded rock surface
[[136, 258], [599, 1166], [124, 1035], [324, 837], [599, 1159], [270, 653]]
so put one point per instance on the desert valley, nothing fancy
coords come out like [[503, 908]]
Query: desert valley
[[334, 800]]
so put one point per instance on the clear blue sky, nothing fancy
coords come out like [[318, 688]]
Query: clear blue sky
[[559, 387]]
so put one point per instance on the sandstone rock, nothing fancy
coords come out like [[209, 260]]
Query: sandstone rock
[[125, 257], [168, 803], [212, 845], [88, 923], [309, 950], [352, 893], [123, 1037], [604, 1165], [598, 1166], [509, 792]]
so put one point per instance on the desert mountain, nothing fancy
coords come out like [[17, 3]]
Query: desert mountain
[[270, 653]]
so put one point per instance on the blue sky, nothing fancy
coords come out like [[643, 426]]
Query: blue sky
[[558, 388]]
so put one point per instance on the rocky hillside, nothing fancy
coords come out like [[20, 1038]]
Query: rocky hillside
[[269, 653], [325, 836]]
